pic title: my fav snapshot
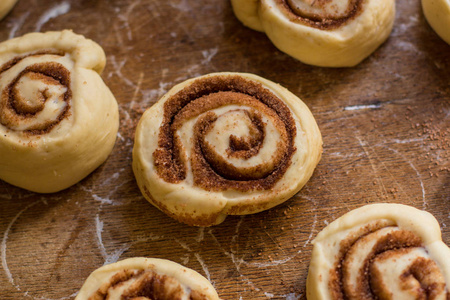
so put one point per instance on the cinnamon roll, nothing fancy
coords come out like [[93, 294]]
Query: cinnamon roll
[[58, 120], [327, 33], [5, 7], [437, 13], [224, 143], [146, 278], [380, 251]]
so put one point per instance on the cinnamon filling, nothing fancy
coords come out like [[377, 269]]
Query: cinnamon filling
[[422, 278], [319, 16], [369, 282], [212, 171], [20, 103], [144, 284]]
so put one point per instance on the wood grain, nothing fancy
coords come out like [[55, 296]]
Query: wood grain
[[385, 125]]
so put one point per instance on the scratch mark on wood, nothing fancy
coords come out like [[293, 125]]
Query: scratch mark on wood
[[4, 260], [137, 89], [102, 200], [115, 255], [201, 235], [183, 245], [363, 146], [99, 230], [118, 70], [208, 55], [237, 263], [5, 240], [197, 256], [293, 296], [117, 34], [52, 13], [312, 230], [408, 141], [406, 46], [419, 176], [400, 29], [18, 24], [182, 6], [361, 107], [204, 267], [126, 16]]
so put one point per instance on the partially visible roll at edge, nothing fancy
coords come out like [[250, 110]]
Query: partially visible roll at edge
[[146, 277], [5, 7], [437, 13], [327, 249], [48, 161], [344, 45]]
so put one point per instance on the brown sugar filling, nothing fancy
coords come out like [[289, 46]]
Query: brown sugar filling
[[210, 171], [14, 109], [145, 284], [423, 270], [395, 240], [335, 285], [323, 22], [370, 285]]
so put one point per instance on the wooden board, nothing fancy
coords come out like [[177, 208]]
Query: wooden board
[[385, 125]]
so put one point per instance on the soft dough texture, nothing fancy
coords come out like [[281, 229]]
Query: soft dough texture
[[146, 278], [437, 13], [380, 251], [5, 7], [224, 143], [58, 120], [327, 33]]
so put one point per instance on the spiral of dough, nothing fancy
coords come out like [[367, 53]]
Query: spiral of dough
[[51, 96], [38, 97], [328, 33], [381, 251], [225, 143], [146, 278]]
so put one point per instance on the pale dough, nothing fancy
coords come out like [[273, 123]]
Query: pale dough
[[5, 7], [147, 278], [207, 198], [321, 33], [437, 13], [58, 119], [394, 240]]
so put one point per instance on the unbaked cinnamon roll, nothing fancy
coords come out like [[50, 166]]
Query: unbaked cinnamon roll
[[5, 7], [224, 143], [380, 251], [327, 33], [58, 120], [437, 13], [146, 278]]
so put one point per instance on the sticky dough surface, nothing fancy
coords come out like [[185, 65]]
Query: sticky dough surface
[[148, 278], [5, 7], [327, 33], [52, 96], [235, 154], [380, 251], [437, 13]]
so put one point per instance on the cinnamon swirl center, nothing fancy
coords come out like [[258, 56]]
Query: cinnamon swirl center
[[229, 131], [322, 14], [37, 98], [142, 285]]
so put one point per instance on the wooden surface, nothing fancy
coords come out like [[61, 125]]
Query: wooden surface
[[385, 126]]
